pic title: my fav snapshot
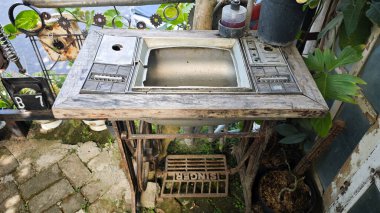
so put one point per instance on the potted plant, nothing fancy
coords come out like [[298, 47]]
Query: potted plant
[[280, 20]]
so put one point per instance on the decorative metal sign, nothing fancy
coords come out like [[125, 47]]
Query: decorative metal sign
[[195, 176], [29, 93]]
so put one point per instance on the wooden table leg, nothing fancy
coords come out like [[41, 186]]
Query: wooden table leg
[[249, 170]]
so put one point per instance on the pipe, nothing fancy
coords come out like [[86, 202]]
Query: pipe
[[96, 3]]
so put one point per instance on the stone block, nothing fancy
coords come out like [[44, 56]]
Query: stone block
[[7, 190], [74, 169], [88, 151], [73, 203], [148, 197], [8, 162], [50, 196], [40, 182], [53, 209]]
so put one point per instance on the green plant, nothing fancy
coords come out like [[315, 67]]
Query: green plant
[[5, 101], [309, 3], [354, 20], [333, 86], [85, 16], [182, 21], [29, 19]]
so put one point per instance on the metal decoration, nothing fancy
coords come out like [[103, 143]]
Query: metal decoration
[[84, 33], [195, 176], [42, 99], [27, 32], [58, 44], [45, 15], [100, 19], [64, 23], [127, 18], [140, 25], [168, 7], [9, 51], [156, 20]]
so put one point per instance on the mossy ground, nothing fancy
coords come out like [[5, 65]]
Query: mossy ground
[[71, 132]]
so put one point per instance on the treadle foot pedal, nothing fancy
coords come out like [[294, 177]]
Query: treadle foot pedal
[[195, 176]]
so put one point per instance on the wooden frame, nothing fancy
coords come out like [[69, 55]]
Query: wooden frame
[[333, 197], [356, 175], [71, 104]]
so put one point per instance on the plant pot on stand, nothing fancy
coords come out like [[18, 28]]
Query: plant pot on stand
[[280, 21]]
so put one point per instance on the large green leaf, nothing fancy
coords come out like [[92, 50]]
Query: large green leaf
[[316, 62], [359, 36], [183, 17], [373, 12], [110, 15], [326, 61], [352, 13], [27, 20], [341, 87], [293, 139], [11, 31], [321, 126], [348, 55], [89, 18], [331, 25], [286, 129]]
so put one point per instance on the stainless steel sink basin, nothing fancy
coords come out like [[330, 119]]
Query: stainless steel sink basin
[[186, 78], [191, 65]]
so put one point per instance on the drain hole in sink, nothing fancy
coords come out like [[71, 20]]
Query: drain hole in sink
[[117, 47]]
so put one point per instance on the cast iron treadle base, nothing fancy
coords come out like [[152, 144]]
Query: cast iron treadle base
[[195, 176]]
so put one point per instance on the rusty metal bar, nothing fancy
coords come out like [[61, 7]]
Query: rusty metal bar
[[25, 115], [190, 136], [93, 3]]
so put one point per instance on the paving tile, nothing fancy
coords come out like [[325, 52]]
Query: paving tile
[[88, 151], [73, 203], [8, 162], [53, 209], [74, 169], [50, 157], [105, 206], [40, 182], [13, 204], [95, 189], [24, 171], [7, 190], [50, 196]]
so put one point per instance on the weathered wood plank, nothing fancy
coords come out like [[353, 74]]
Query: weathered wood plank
[[303, 76]]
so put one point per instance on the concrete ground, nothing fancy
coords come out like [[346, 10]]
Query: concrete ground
[[48, 176]]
